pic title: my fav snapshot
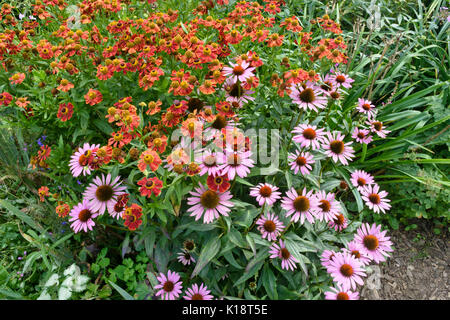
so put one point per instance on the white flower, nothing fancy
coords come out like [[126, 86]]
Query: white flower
[[44, 295], [54, 279], [64, 293]]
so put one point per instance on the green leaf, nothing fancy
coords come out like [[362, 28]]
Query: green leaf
[[253, 266], [269, 282], [122, 292], [230, 258], [149, 243], [125, 244], [295, 251], [103, 126], [209, 251], [22, 216], [10, 294]]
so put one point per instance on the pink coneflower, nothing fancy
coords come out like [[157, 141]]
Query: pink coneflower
[[339, 222], [81, 216], [366, 107], [354, 249], [270, 226], [373, 242], [287, 260], [170, 286], [326, 257], [236, 94], [340, 294], [209, 202], [240, 72], [327, 86], [301, 162], [361, 179], [300, 206], [80, 160], [103, 193], [308, 97], [346, 270], [341, 79], [377, 127], [185, 257], [327, 206], [375, 199], [334, 147], [209, 163], [235, 163], [198, 293], [265, 193], [308, 136], [362, 136]]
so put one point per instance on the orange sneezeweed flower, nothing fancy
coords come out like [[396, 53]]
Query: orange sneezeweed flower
[[17, 78], [65, 85]]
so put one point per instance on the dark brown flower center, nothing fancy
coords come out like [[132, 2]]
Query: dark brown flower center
[[340, 79], [342, 296], [236, 90], [356, 254], [189, 245], [361, 182], [265, 191], [83, 160], [238, 70], [325, 205], [346, 270], [209, 199], [118, 207], [168, 286], [339, 219], [301, 203], [360, 135], [307, 95], [220, 122], [309, 134], [374, 198], [285, 253], [195, 104], [301, 161], [104, 193], [335, 95], [269, 226], [218, 180], [326, 86], [84, 215], [371, 242], [149, 184], [197, 296], [366, 106], [377, 125], [337, 146]]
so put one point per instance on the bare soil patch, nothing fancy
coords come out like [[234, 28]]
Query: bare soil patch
[[417, 270]]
